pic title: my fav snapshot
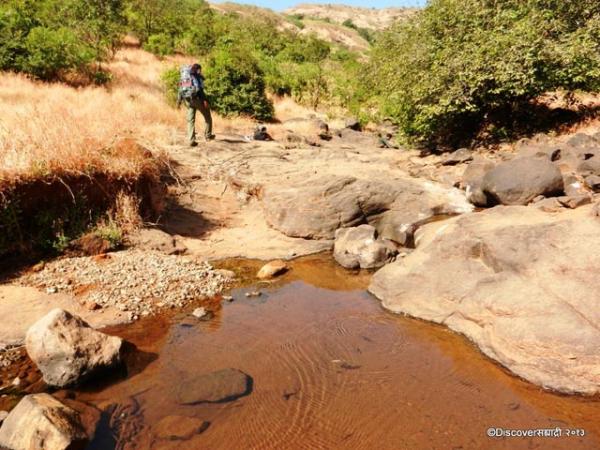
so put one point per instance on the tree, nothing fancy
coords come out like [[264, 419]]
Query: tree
[[463, 64], [235, 84]]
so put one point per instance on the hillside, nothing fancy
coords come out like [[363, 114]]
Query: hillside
[[370, 18], [324, 21]]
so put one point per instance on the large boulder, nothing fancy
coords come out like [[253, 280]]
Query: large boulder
[[359, 248], [519, 181], [41, 422], [521, 283], [316, 208], [67, 350]]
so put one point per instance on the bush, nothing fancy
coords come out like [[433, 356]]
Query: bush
[[170, 84], [235, 84], [50, 38], [51, 51], [161, 44], [461, 65]]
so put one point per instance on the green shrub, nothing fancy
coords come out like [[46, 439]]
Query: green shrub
[[161, 44], [170, 83], [171, 17], [51, 51], [461, 65], [47, 38], [109, 230], [235, 84]]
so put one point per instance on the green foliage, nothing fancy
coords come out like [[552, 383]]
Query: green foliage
[[51, 51], [50, 38], [161, 44], [296, 19], [167, 17], [365, 33], [465, 64], [235, 84], [170, 83], [110, 231]]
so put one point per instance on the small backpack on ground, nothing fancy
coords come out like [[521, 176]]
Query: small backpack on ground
[[187, 87]]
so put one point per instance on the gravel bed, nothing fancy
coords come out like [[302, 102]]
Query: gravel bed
[[134, 281]]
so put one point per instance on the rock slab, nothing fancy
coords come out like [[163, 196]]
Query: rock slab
[[320, 206], [519, 282], [67, 350], [41, 422]]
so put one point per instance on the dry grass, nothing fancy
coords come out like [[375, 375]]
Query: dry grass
[[48, 129]]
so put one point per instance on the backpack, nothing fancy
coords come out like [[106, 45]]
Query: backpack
[[187, 87]]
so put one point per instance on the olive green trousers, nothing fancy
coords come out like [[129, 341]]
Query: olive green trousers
[[193, 105]]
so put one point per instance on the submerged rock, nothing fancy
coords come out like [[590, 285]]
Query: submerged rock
[[521, 283], [215, 387], [41, 422], [179, 427], [67, 350], [359, 248], [272, 269]]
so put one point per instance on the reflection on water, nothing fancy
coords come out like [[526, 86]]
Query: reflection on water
[[331, 370]]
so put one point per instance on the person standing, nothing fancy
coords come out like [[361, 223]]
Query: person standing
[[191, 92]]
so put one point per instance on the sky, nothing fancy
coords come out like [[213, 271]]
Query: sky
[[279, 5]]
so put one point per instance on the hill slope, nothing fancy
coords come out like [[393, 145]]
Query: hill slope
[[325, 21], [371, 18]]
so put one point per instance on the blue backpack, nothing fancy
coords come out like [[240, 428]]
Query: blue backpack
[[187, 87]]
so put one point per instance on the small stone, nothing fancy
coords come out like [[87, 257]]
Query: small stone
[[228, 298], [272, 269], [199, 313], [228, 274], [253, 294], [93, 306], [16, 382], [51, 290]]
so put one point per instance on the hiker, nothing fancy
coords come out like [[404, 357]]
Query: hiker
[[191, 92]]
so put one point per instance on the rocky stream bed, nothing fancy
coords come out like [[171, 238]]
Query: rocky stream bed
[[501, 247]]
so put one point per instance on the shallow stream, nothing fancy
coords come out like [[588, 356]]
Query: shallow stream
[[330, 369]]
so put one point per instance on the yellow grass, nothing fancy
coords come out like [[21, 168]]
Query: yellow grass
[[55, 128]]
